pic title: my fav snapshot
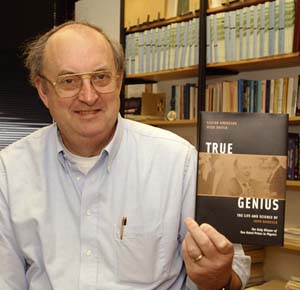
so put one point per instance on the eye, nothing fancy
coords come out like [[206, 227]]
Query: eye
[[101, 77], [69, 82]]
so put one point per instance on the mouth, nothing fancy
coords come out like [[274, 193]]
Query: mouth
[[87, 112]]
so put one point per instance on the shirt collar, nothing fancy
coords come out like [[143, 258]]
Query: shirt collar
[[111, 148]]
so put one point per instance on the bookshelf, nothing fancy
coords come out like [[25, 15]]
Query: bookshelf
[[280, 262]]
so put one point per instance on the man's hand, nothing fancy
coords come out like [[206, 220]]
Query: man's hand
[[208, 257]]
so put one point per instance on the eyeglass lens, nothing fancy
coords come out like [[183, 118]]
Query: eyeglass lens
[[70, 85]]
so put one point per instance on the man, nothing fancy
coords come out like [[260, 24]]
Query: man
[[277, 178], [95, 201], [242, 184]]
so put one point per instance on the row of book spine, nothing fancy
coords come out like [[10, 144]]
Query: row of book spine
[[280, 95], [261, 30], [266, 29], [183, 100], [168, 47]]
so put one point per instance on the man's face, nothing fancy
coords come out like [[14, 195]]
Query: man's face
[[243, 169], [89, 114]]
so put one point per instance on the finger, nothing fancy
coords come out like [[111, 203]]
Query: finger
[[192, 247], [222, 244], [200, 237]]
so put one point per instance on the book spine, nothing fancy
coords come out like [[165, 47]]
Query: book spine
[[281, 28], [271, 28], [248, 32], [255, 31], [242, 30], [183, 56], [232, 35], [196, 46], [141, 52], [208, 39], [296, 38], [158, 48], [215, 37], [261, 29], [227, 35]]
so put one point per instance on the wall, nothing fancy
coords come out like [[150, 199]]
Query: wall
[[101, 14]]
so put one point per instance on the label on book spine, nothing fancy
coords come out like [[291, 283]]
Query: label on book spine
[[242, 175]]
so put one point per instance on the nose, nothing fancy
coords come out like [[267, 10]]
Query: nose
[[87, 93]]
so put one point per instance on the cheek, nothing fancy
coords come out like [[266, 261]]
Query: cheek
[[58, 107], [112, 101]]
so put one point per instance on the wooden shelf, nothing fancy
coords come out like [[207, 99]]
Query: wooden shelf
[[262, 63], [294, 120], [166, 123], [293, 184], [217, 69], [290, 246], [161, 22], [234, 6], [175, 123], [173, 74]]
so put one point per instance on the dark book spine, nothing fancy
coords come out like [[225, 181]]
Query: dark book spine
[[296, 158], [291, 156], [186, 101], [296, 40], [268, 87], [173, 98], [240, 95]]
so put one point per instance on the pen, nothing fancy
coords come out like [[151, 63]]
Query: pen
[[123, 223]]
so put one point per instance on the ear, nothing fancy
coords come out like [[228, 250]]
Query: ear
[[42, 90]]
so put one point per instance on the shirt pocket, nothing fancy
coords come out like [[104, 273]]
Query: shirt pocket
[[141, 256]]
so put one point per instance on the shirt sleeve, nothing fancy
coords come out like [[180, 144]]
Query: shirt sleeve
[[12, 264], [189, 189]]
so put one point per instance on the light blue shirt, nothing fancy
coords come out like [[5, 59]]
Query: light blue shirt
[[64, 226]]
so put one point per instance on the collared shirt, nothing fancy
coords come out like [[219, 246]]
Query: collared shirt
[[64, 226]]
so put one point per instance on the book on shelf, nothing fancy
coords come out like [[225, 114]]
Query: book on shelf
[[242, 175], [256, 274], [292, 235], [153, 104], [270, 285], [138, 12], [293, 156], [296, 35], [293, 283], [263, 29], [269, 96], [257, 255]]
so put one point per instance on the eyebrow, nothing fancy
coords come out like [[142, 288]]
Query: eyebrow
[[65, 73]]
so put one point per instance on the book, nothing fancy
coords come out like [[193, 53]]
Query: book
[[270, 285], [292, 236], [242, 175], [296, 34], [171, 8]]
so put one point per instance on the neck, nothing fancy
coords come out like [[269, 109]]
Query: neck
[[87, 146]]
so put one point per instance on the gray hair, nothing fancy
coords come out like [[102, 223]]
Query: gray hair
[[34, 49]]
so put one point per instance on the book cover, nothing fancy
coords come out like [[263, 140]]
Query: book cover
[[242, 175]]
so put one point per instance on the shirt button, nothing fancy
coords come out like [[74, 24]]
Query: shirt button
[[88, 212], [78, 178], [88, 253]]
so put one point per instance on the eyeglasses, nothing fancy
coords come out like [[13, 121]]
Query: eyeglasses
[[69, 85]]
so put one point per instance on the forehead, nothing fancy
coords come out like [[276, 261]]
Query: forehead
[[77, 49], [243, 163]]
